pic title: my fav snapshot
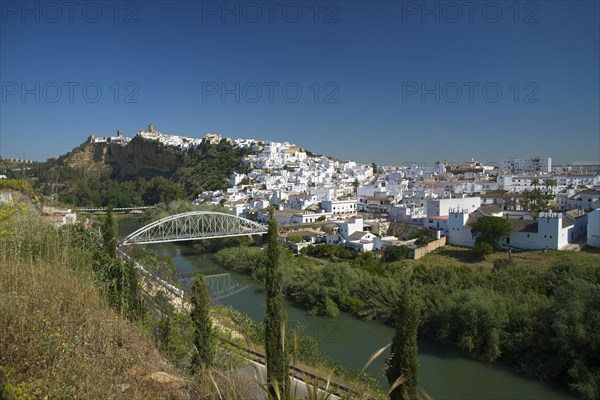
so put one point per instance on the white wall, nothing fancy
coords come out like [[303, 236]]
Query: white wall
[[339, 207], [593, 229], [348, 228], [441, 207], [458, 234], [555, 237]]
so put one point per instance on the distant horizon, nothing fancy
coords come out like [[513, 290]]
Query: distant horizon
[[312, 150]]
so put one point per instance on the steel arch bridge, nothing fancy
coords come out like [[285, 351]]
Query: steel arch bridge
[[194, 225]]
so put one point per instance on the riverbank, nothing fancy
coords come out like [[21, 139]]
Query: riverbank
[[502, 313], [243, 330], [444, 373]]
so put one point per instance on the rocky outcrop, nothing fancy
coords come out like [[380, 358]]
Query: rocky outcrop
[[140, 158], [88, 157]]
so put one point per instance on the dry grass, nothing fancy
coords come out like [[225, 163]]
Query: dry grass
[[455, 256], [56, 332]]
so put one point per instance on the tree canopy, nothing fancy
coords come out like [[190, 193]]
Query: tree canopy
[[536, 200], [489, 229]]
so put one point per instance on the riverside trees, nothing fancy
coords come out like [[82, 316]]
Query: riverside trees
[[508, 313]]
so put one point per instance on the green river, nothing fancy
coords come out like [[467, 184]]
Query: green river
[[444, 373]]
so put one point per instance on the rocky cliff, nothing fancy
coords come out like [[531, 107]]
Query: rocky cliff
[[140, 158]]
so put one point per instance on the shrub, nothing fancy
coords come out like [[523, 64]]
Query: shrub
[[423, 241], [394, 253], [481, 250], [294, 239]]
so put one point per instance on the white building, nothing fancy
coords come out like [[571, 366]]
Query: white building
[[235, 178], [548, 231], [442, 207], [362, 241], [576, 180], [437, 223], [339, 208], [593, 228], [406, 213], [580, 167], [526, 165], [584, 200], [345, 229], [324, 194]]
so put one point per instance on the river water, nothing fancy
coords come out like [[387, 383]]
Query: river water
[[444, 373]]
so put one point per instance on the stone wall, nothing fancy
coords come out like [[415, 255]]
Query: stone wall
[[419, 252]]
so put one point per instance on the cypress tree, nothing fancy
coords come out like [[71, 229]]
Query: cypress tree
[[131, 291], [109, 235], [277, 365], [403, 359], [203, 355]]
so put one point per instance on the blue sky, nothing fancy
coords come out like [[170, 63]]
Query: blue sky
[[383, 81]]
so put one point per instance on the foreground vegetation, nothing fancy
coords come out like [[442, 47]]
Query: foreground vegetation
[[59, 338], [75, 323], [67, 331], [540, 312]]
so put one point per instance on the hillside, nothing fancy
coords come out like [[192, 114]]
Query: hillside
[[142, 172], [59, 338], [140, 158], [77, 323]]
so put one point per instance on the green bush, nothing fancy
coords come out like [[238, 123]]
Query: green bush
[[394, 253], [294, 239], [423, 240], [502, 263], [481, 250], [330, 251]]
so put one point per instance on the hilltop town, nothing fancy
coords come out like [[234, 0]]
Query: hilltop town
[[325, 200]]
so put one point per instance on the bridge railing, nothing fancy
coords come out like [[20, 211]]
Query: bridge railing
[[173, 289], [115, 209]]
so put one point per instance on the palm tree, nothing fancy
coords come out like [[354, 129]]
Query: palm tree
[[535, 182]]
